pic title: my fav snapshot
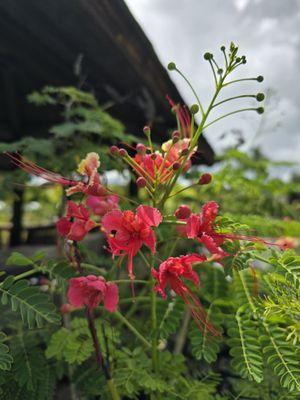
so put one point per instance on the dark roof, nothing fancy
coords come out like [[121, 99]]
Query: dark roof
[[39, 44]]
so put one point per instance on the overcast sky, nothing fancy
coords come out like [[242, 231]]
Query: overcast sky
[[268, 33]]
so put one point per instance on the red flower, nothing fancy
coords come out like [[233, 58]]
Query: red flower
[[88, 167], [171, 272], [91, 290], [102, 205], [201, 227], [76, 224], [126, 232]]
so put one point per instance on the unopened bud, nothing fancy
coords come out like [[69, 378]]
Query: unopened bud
[[260, 97], [176, 166], [260, 110], [141, 182], [141, 148], [183, 212], [114, 150], [220, 71], [146, 130], [171, 66], [208, 56], [205, 179], [194, 109], [238, 59], [123, 152], [176, 134], [260, 78], [184, 152], [223, 48]]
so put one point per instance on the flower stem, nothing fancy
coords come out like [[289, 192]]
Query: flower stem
[[99, 358], [154, 330], [132, 328]]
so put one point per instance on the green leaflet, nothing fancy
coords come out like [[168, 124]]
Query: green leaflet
[[34, 306], [5, 358]]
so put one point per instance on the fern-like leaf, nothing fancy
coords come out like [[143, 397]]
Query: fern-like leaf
[[245, 349], [203, 345], [34, 306], [288, 264], [282, 357]]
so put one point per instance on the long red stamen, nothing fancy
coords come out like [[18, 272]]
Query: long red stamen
[[34, 169]]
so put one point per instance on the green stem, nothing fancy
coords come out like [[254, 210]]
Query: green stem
[[25, 274], [231, 113], [234, 98], [192, 89], [113, 390], [132, 328], [154, 329]]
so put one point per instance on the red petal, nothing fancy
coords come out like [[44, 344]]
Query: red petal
[[63, 226], [111, 298], [151, 216]]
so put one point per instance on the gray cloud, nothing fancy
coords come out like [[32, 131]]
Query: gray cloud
[[267, 31]]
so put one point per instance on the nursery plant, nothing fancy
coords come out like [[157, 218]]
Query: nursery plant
[[181, 303]]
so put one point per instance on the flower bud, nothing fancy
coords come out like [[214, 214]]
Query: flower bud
[[123, 152], [220, 71], [183, 212], [205, 179], [194, 109], [260, 110], [208, 56], [260, 97], [146, 130], [141, 148], [114, 150], [175, 137], [171, 66], [184, 152], [176, 166], [141, 182], [223, 48], [176, 134], [260, 78]]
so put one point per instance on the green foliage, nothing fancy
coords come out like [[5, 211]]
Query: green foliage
[[203, 345], [244, 346], [33, 305], [283, 358], [5, 358], [169, 314]]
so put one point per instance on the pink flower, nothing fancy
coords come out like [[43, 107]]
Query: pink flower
[[286, 242], [91, 290], [102, 205], [76, 224], [171, 272], [126, 232]]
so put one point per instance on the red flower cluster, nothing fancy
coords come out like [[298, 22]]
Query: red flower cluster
[[126, 232], [91, 290]]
